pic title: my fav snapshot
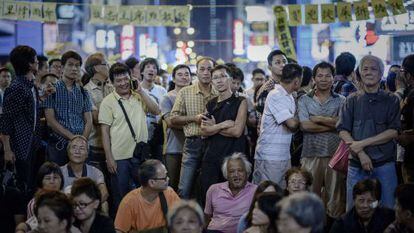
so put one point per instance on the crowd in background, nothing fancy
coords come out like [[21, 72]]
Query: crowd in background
[[89, 146]]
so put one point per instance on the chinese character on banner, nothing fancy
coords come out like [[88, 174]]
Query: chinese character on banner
[[283, 32], [23, 11], [328, 13], [295, 15], [96, 14], [311, 14], [36, 11], [124, 15], [397, 7], [361, 10], [344, 11], [380, 9], [111, 15]]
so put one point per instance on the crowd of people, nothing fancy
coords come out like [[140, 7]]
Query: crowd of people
[[93, 147]]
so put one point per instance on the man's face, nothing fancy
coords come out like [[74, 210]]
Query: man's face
[[278, 62], [102, 69], [71, 70], [78, 151], [221, 80], [121, 84], [370, 73], [5, 79], [236, 174], [323, 79], [182, 77], [363, 204], [235, 85], [203, 71], [161, 179], [258, 79], [149, 72], [56, 68], [44, 70]]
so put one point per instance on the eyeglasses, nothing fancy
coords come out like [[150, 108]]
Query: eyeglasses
[[82, 205], [300, 182], [164, 179]]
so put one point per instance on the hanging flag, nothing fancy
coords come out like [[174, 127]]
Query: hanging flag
[[361, 10], [295, 15], [328, 13], [380, 8], [311, 14], [344, 11]]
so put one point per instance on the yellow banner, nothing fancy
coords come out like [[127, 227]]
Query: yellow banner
[[295, 15], [283, 32], [311, 14], [36, 11], [9, 10], [361, 10], [397, 7], [96, 14], [49, 12], [328, 13], [344, 11], [380, 9], [111, 15], [124, 15], [23, 11]]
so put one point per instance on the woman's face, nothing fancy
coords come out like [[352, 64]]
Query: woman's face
[[49, 222], [296, 183], [84, 207], [286, 224], [51, 182], [259, 217], [186, 221]]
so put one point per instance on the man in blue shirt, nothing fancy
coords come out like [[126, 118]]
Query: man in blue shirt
[[69, 111]]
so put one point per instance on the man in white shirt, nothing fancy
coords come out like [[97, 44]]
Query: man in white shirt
[[279, 121]]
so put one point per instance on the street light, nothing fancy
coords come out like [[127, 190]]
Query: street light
[[190, 31], [177, 31], [180, 44], [190, 43]]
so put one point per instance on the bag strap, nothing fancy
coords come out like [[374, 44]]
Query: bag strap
[[127, 120], [164, 205]]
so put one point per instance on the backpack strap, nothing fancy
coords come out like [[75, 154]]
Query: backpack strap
[[164, 205]]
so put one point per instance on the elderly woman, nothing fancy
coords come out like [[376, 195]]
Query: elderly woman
[[301, 212], [367, 215], [186, 216], [297, 180]]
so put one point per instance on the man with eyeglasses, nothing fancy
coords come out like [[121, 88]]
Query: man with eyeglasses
[[143, 209], [77, 168], [68, 111]]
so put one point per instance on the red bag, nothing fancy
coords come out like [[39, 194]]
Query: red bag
[[339, 161]]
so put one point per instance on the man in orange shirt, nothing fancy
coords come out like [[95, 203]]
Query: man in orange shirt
[[141, 209]]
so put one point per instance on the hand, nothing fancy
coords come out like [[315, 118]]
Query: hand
[[50, 89], [227, 124], [404, 140], [198, 118], [111, 165], [366, 162], [356, 146], [9, 157], [208, 121]]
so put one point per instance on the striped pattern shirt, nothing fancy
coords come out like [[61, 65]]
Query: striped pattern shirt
[[319, 144], [191, 101], [69, 107]]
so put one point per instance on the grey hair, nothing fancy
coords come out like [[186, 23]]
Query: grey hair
[[236, 156], [306, 209], [373, 58], [181, 205]]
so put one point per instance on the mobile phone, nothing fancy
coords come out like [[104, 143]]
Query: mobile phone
[[134, 84]]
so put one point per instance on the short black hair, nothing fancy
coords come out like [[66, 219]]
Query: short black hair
[[54, 60], [149, 60], [307, 76], [395, 65], [272, 54], [368, 185], [148, 170], [236, 72], [131, 62], [258, 71], [46, 169], [408, 64], [345, 64], [42, 61], [43, 78], [219, 67], [87, 186], [116, 69], [404, 195], [71, 54], [290, 72], [180, 66], [21, 57], [206, 58], [323, 65], [59, 203]]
